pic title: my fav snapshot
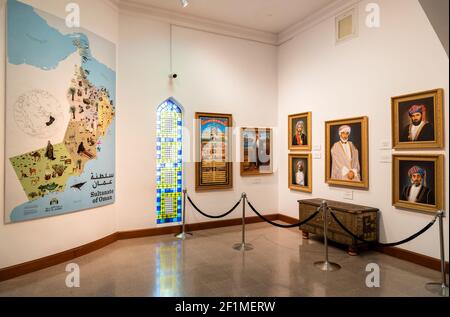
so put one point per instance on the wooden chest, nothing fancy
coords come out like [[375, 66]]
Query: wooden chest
[[361, 220]]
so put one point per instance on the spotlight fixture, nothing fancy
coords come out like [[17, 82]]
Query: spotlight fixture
[[184, 3]]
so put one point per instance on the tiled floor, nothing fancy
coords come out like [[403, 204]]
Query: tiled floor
[[206, 265]]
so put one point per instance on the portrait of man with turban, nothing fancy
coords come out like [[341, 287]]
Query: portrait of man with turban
[[416, 191], [345, 163], [419, 128]]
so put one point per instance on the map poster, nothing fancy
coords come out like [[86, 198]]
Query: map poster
[[60, 116], [214, 165]]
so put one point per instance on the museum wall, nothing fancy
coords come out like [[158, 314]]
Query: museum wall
[[25, 241], [216, 74], [357, 78]]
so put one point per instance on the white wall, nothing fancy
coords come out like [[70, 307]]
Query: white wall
[[30, 240], [358, 78], [216, 74]]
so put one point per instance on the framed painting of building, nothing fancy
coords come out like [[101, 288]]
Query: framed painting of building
[[214, 166], [417, 120], [299, 132], [300, 172], [418, 182], [256, 151], [347, 152]]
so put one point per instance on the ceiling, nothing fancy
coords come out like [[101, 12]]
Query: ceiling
[[272, 16]]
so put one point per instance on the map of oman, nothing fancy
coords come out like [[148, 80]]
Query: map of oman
[[48, 169]]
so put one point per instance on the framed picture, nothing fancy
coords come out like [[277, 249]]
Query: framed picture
[[347, 152], [300, 172], [256, 151], [418, 182], [299, 136], [417, 120], [214, 166]]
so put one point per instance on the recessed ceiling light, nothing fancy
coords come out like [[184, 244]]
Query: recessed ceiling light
[[184, 3]]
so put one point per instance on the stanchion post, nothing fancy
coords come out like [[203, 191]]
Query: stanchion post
[[243, 246], [183, 235], [326, 265], [440, 288]]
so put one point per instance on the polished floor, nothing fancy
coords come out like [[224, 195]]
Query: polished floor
[[206, 265]]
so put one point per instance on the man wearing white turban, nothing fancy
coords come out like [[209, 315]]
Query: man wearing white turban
[[345, 157]]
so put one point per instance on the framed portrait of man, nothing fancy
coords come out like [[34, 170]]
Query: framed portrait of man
[[417, 120], [256, 151], [214, 166], [347, 152], [300, 172], [418, 182], [299, 136]]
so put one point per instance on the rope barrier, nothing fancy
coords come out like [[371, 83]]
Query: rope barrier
[[384, 244], [283, 226], [213, 217]]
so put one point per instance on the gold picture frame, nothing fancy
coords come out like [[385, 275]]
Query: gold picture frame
[[213, 165], [338, 170], [301, 176], [306, 137], [430, 168], [430, 133], [256, 151]]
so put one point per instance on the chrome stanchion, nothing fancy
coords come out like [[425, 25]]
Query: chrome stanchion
[[326, 265], [243, 246], [440, 288], [183, 235]]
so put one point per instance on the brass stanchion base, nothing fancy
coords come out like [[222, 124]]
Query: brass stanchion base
[[243, 247], [183, 235], [437, 288], [327, 266]]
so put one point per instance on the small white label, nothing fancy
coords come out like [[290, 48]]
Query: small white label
[[385, 145], [348, 194], [386, 159], [317, 147], [317, 155], [256, 181]]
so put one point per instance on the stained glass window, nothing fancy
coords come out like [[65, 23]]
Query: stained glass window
[[169, 162]]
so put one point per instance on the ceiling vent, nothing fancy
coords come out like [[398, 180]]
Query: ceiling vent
[[346, 25]]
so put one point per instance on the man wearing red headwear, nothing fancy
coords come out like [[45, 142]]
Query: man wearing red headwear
[[419, 129], [417, 191]]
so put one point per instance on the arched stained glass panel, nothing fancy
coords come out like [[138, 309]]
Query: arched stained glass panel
[[169, 162]]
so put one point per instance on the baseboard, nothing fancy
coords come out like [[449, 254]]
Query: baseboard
[[68, 255], [413, 257], [54, 259]]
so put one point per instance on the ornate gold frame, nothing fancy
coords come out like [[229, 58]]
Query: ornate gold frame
[[364, 184], [306, 189], [438, 160], [438, 95], [307, 147], [229, 163]]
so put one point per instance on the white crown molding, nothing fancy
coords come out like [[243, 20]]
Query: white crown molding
[[323, 14], [197, 23], [113, 4], [202, 24]]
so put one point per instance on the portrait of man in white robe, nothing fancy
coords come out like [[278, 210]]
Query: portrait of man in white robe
[[345, 163]]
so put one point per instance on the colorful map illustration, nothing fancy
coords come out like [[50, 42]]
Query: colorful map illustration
[[60, 135]]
